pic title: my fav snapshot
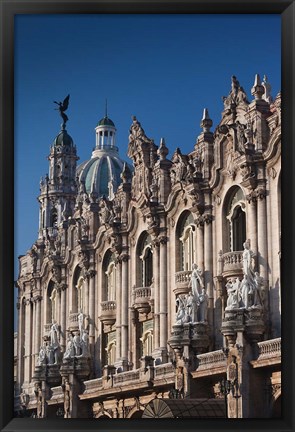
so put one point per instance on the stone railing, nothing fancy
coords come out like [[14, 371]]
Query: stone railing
[[142, 293], [232, 261], [109, 305], [125, 377], [142, 297], [182, 282], [269, 348], [108, 312], [211, 360], [164, 370], [92, 385]]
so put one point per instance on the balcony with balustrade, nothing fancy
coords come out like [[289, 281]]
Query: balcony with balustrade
[[142, 299], [182, 282], [108, 312], [231, 264]]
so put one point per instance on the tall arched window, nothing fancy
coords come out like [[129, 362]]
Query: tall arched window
[[53, 217], [146, 338], [80, 294], [109, 272], [186, 241], [145, 263], [53, 299], [236, 220], [77, 291], [51, 310]]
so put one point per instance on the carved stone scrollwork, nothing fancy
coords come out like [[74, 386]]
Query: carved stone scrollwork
[[199, 221], [208, 218]]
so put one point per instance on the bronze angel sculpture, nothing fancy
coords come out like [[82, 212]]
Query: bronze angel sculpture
[[62, 107]]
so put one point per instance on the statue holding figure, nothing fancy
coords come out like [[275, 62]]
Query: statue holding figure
[[85, 344], [233, 293], [196, 280], [247, 261]]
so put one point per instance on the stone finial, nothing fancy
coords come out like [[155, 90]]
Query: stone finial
[[206, 122], [162, 150], [257, 90]]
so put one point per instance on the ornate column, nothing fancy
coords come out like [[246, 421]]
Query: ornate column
[[156, 246], [28, 341], [37, 301], [86, 295], [163, 296], [208, 264], [118, 307], [262, 232], [92, 319], [63, 315], [33, 343], [200, 241], [252, 222], [125, 302]]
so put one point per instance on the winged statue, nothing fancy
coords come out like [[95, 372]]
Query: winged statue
[[62, 107]]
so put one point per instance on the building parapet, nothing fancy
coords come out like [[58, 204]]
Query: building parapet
[[269, 353]]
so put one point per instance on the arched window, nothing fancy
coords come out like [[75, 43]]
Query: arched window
[[146, 338], [145, 263], [53, 299], [51, 309], [80, 294], [186, 241], [236, 220], [109, 271]]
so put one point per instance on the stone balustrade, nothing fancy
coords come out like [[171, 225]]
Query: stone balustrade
[[108, 312], [125, 377], [163, 370], [92, 385], [142, 297], [182, 282], [232, 263], [269, 348], [211, 359]]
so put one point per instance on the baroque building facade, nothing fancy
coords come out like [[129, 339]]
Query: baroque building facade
[[153, 289]]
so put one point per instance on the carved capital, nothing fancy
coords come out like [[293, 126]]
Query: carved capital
[[251, 197], [260, 193]]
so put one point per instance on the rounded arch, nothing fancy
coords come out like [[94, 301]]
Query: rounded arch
[[234, 219], [103, 415], [51, 304], [136, 413], [144, 256], [185, 242], [77, 290]]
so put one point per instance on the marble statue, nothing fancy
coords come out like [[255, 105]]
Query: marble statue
[[233, 294], [180, 313], [202, 303], [196, 281], [42, 356], [70, 351]]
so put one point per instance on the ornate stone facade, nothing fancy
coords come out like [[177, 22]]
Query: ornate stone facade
[[157, 280]]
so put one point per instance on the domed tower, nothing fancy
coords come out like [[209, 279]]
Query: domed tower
[[102, 172], [58, 189]]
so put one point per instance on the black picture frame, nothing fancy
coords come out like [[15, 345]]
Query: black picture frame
[[10, 8]]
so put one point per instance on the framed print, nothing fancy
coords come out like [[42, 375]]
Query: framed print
[[150, 284]]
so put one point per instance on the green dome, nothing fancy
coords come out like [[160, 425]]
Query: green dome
[[106, 122], [63, 139]]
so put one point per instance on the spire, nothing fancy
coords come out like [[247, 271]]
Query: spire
[[162, 150], [206, 122], [257, 90], [106, 109]]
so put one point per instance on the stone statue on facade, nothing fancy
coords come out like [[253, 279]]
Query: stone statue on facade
[[196, 280], [53, 349], [246, 293], [70, 350], [81, 322], [181, 310], [42, 356], [202, 305]]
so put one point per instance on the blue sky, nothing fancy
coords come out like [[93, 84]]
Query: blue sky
[[162, 68]]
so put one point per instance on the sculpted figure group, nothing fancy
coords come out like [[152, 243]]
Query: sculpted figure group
[[78, 343], [192, 307], [245, 293]]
